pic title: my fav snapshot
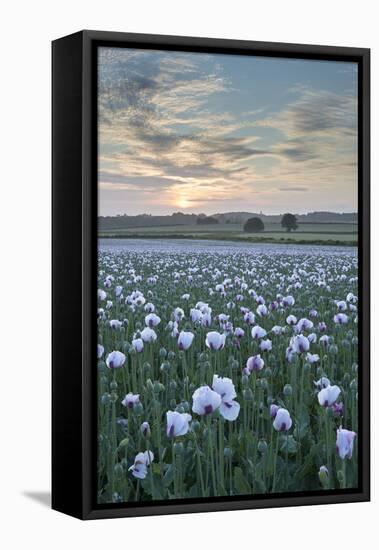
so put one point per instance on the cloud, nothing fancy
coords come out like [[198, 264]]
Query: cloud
[[160, 132]]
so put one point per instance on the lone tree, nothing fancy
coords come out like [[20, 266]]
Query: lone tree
[[254, 225], [289, 222]]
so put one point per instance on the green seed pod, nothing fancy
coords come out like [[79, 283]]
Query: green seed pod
[[138, 409], [248, 395], [319, 372], [138, 325], [354, 340], [118, 471], [346, 378], [101, 366], [287, 390], [203, 357], [173, 404], [345, 343], [270, 400], [178, 448], [163, 353], [124, 463], [267, 372], [262, 446], [333, 349], [132, 351], [354, 368], [206, 365], [149, 385], [228, 453], [235, 364], [307, 367], [195, 426], [171, 356], [245, 380], [126, 347], [146, 367], [105, 399], [157, 387], [340, 477], [172, 385], [113, 397], [354, 385], [180, 408], [116, 498], [113, 385], [186, 406], [264, 384], [192, 388]]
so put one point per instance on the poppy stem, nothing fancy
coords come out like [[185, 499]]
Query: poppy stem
[[275, 462]]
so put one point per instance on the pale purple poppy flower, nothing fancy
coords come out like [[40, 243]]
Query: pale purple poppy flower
[[137, 344], [229, 408], [341, 319], [239, 332], [115, 360], [185, 340], [313, 358], [322, 383], [262, 310], [265, 345], [255, 363], [205, 400], [300, 343], [291, 320], [258, 332], [130, 400], [215, 340], [322, 326], [345, 443], [148, 335], [288, 301], [141, 462], [177, 423], [273, 410], [282, 421], [101, 294], [152, 320], [249, 318], [338, 408], [329, 395], [115, 324]]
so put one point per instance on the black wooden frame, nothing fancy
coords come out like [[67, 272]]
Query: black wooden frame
[[74, 205]]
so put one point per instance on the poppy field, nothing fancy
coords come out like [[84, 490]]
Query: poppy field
[[225, 370]]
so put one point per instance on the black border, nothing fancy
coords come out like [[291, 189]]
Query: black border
[[88, 43]]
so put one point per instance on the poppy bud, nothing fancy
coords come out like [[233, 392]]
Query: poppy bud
[[267, 373], [113, 397], [248, 395], [178, 448], [165, 367], [149, 385], [171, 356], [287, 390], [172, 385], [118, 471], [162, 353], [228, 453], [323, 475], [262, 446], [113, 385], [245, 380], [138, 409], [195, 425], [354, 385], [157, 387], [146, 367]]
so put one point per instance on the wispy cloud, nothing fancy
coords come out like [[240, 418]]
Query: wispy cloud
[[169, 124]]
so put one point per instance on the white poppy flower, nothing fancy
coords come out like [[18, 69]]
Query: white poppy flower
[[345, 443], [300, 343], [152, 320], [282, 421], [229, 408], [313, 358], [148, 335], [196, 315], [215, 340], [322, 383], [291, 320], [265, 345], [205, 400], [341, 319], [101, 294], [115, 360], [100, 351], [329, 395], [137, 344], [258, 332], [185, 340], [262, 310], [141, 462], [130, 400], [177, 423], [255, 363]]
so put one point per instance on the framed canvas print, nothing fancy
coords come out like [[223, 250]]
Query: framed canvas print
[[210, 275]]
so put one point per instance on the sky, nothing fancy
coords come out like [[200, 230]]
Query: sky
[[211, 133]]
